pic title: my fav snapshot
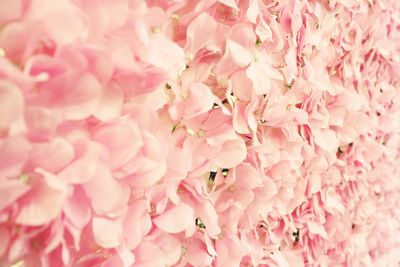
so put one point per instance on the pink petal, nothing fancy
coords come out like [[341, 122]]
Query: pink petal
[[13, 154], [137, 224], [140, 81], [56, 235], [164, 54], [200, 100], [327, 140], [209, 217], [5, 240], [252, 179], [117, 12], [253, 11], [110, 104], [77, 94], [240, 118], [52, 156], [197, 254], [43, 202], [105, 185], [41, 122], [11, 104], [99, 64], [229, 3], [258, 75], [294, 258], [231, 154], [202, 23], [149, 254], [107, 232], [176, 219], [317, 229], [55, 20], [77, 208], [127, 257], [122, 138], [333, 202], [10, 10], [314, 183], [241, 56], [230, 251], [10, 191], [240, 85], [263, 30], [171, 248], [83, 169], [151, 166]]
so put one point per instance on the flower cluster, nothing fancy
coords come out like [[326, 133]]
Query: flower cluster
[[199, 133]]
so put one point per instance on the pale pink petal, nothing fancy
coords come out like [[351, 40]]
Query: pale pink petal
[[176, 219], [240, 85], [52, 156], [43, 202], [55, 20], [166, 55], [333, 202], [41, 122], [230, 251], [202, 23], [327, 140], [151, 166], [107, 232], [10, 10], [13, 154], [171, 247], [317, 229], [127, 257], [229, 3], [209, 217], [314, 183], [99, 64], [200, 100], [105, 185], [239, 118], [77, 208], [197, 254], [241, 56], [263, 30], [122, 138], [76, 94], [145, 255], [247, 176], [137, 224], [10, 191], [56, 236], [258, 75], [231, 154], [140, 82], [253, 11], [117, 12], [83, 169], [11, 104], [110, 104]]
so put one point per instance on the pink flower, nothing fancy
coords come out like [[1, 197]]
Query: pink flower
[[199, 133]]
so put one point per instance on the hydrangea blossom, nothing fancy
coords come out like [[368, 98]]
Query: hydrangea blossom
[[199, 133]]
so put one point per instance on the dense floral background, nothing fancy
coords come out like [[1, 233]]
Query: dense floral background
[[199, 133]]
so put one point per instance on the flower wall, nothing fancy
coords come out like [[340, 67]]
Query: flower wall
[[199, 133]]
